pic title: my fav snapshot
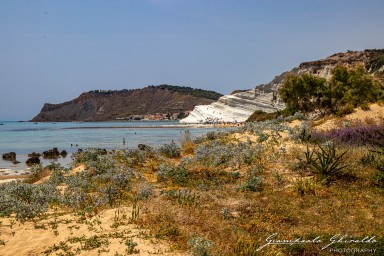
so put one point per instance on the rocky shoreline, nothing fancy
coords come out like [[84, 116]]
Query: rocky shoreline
[[34, 158], [18, 166]]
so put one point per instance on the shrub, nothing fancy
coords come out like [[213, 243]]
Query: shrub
[[89, 155], [360, 135], [346, 90], [253, 181], [259, 116], [215, 153], [200, 246], [37, 173], [325, 161], [211, 136], [27, 200], [178, 175], [93, 242], [132, 157], [378, 178], [256, 128], [131, 246], [368, 159], [170, 150], [302, 134], [303, 187], [302, 93]]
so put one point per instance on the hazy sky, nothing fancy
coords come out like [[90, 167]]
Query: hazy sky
[[51, 51]]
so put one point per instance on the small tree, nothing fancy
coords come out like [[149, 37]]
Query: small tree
[[346, 90], [302, 93], [352, 88]]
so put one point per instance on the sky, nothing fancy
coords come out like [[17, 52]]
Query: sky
[[51, 51]]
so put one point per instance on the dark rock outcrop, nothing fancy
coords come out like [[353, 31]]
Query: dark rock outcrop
[[51, 154], [63, 153], [102, 105], [34, 154], [143, 147], [11, 156], [32, 161]]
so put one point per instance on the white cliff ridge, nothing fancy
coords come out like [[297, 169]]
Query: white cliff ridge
[[238, 107], [235, 107]]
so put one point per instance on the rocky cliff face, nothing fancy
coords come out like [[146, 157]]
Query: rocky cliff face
[[100, 105], [238, 106]]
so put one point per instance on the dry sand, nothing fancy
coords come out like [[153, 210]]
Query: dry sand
[[34, 239], [374, 114], [31, 238]]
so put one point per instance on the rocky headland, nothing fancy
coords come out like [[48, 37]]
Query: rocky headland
[[151, 103]]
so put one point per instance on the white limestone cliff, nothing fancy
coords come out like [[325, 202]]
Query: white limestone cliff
[[234, 108]]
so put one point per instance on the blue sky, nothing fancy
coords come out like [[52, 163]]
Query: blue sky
[[51, 51]]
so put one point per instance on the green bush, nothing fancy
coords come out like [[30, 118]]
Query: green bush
[[178, 175], [346, 90], [325, 161], [170, 150]]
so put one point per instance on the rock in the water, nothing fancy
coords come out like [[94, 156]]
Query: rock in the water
[[52, 153], [64, 153], [143, 147], [34, 154], [33, 160], [15, 162], [11, 156]]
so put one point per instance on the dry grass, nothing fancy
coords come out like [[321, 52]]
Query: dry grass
[[348, 207]]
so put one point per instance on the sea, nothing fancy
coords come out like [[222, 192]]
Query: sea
[[27, 137]]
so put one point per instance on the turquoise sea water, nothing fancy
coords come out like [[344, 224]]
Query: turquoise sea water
[[26, 137]]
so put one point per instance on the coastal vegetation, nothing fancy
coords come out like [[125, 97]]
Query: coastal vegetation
[[223, 193], [200, 93], [346, 90]]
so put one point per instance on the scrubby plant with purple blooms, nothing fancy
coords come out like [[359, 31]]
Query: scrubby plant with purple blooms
[[360, 135]]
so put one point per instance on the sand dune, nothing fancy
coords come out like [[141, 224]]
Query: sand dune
[[38, 238]]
